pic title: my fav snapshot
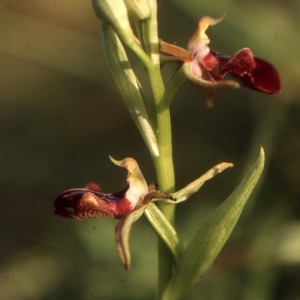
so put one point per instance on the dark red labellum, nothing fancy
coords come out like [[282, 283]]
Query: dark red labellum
[[254, 72], [91, 203]]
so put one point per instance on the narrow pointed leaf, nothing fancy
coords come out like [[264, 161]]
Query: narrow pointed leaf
[[211, 237], [128, 86], [165, 230], [194, 186]]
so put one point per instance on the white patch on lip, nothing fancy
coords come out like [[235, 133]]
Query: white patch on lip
[[199, 49], [135, 195]]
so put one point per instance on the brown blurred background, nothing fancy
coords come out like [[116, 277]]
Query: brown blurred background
[[61, 117]]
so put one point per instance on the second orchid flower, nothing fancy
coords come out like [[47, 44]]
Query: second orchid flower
[[207, 68]]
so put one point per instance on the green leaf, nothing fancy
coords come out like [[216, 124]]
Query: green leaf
[[165, 230], [194, 186], [129, 87], [209, 240]]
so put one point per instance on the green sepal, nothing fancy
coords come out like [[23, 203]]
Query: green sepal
[[194, 186], [209, 240], [207, 84], [135, 179], [206, 87], [122, 234], [128, 86]]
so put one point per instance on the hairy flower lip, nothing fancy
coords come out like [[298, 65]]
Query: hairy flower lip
[[86, 203], [252, 71], [83, 203]]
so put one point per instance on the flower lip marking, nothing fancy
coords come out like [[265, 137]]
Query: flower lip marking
[[90, 202], [76, 194]]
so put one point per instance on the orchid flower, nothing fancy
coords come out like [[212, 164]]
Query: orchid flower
[[127, 205], [207, 68]]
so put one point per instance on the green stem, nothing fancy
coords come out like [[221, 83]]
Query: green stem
[[164, 162], [165, 173]]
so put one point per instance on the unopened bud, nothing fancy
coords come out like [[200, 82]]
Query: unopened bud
[[138, 9], [114, 13]]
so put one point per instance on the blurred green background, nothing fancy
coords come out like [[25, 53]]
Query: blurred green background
[[61, 117]]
